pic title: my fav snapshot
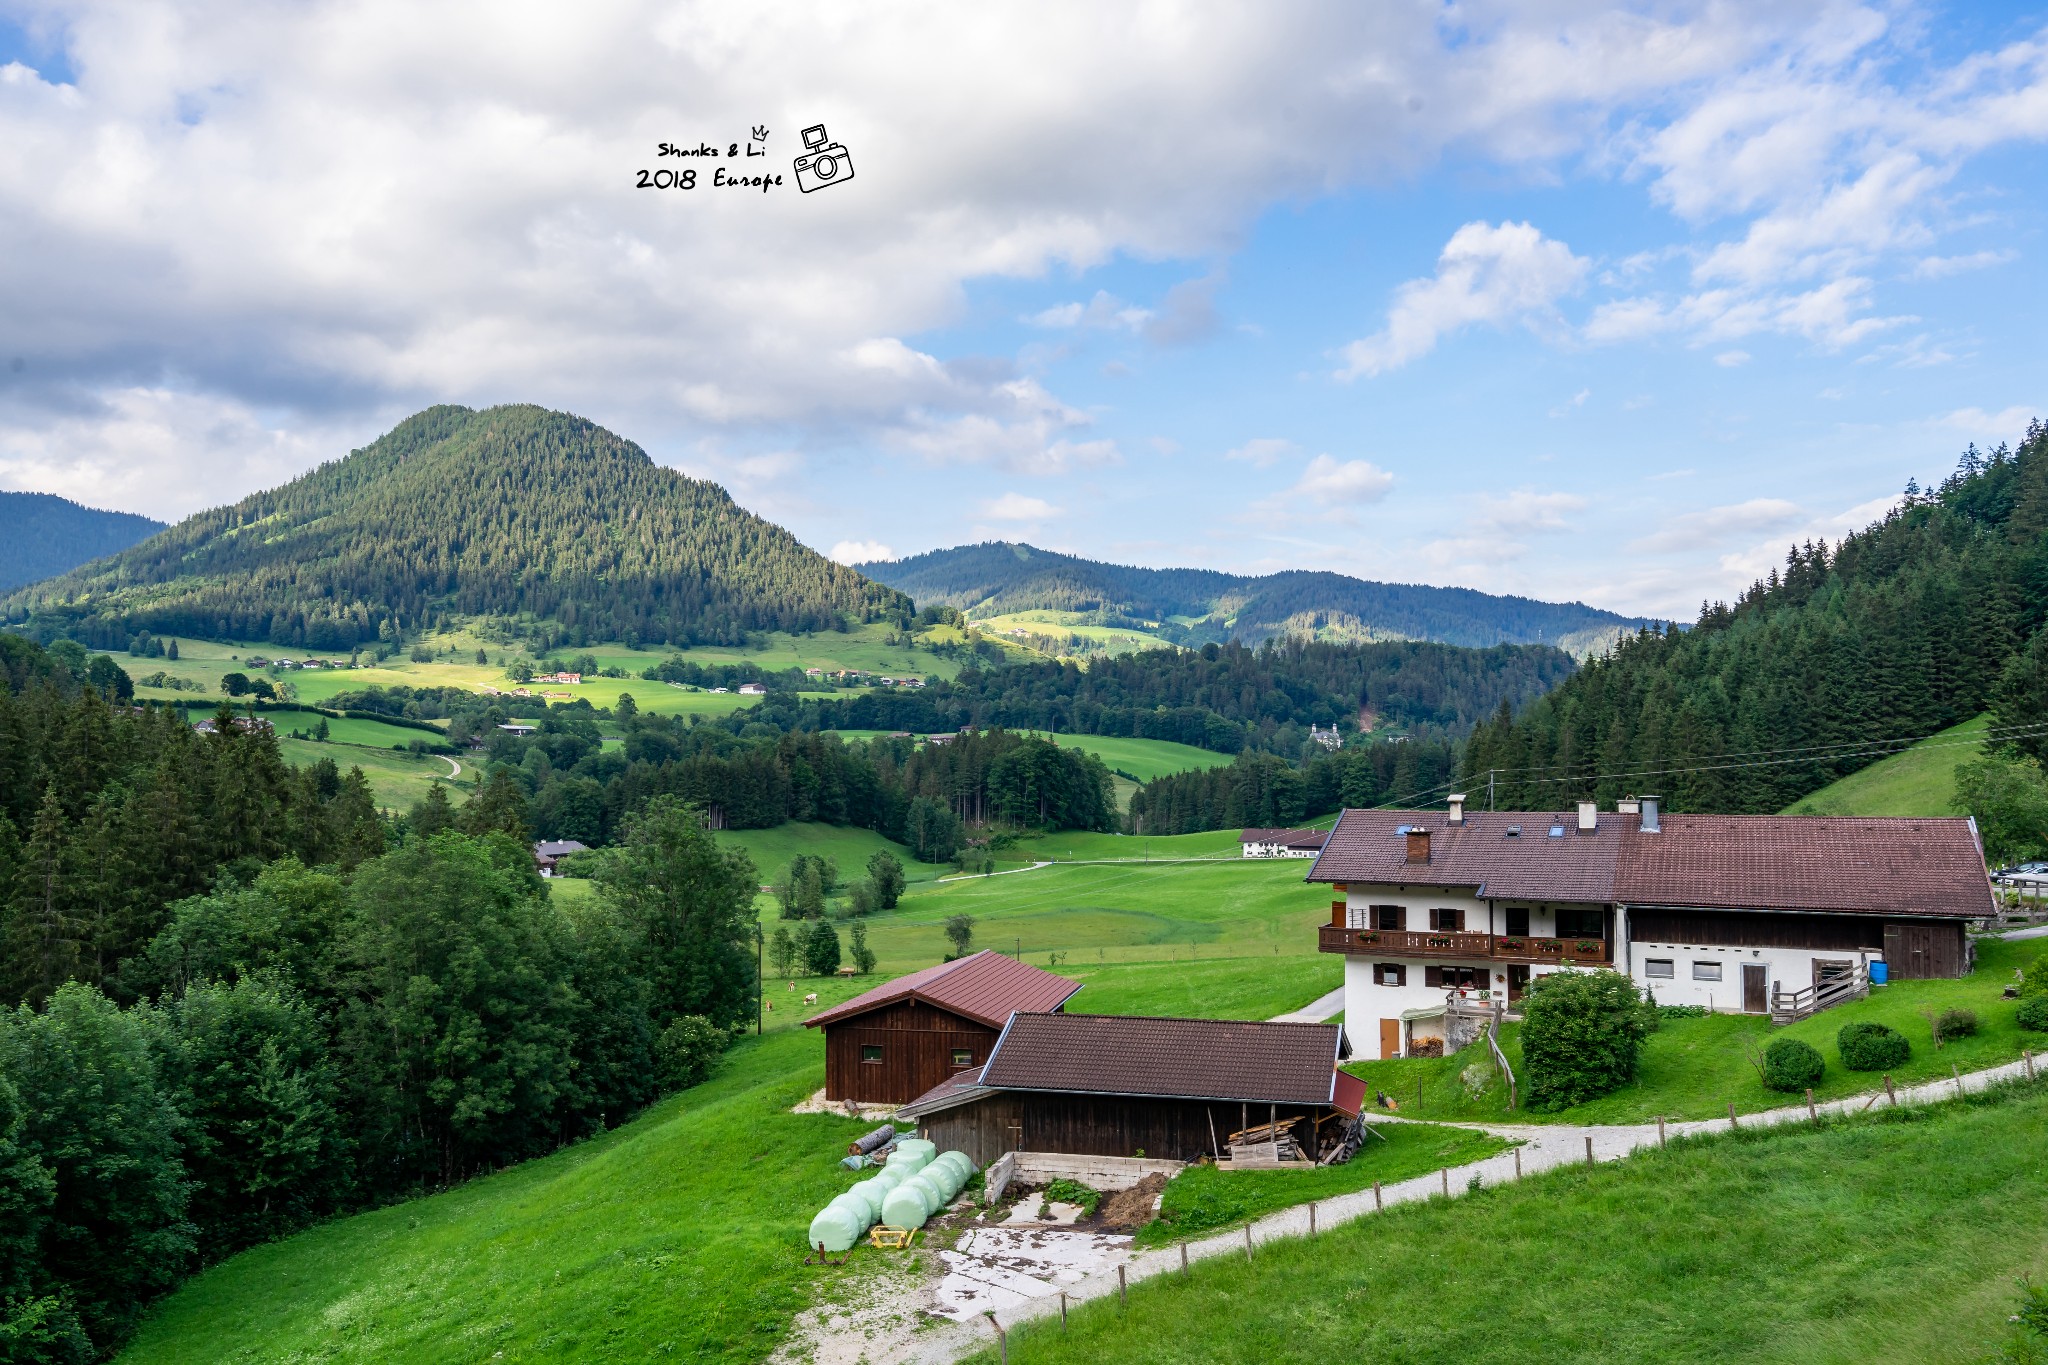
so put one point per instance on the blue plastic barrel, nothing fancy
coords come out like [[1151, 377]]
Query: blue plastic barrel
[[1878, 973]]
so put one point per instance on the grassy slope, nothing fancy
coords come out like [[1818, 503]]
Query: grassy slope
[[1693, 1068], [1919, 781], [396, 780], [1881, 1239], [772, 849]]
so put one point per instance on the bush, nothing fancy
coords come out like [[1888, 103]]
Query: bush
[[1064, 1191], [821, 953], [1581, 1035], [1872, 1047], [688, 1050], [2034, 1013], [1955, 1023], [1791, 1065]]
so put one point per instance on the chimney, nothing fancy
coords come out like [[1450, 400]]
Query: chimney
[[1418, 845], [1628, 805], [1589, 817], [1649, 825], [1457, 800]]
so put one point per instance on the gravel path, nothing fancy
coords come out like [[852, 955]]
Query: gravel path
[[1315, 1011], [1544, 1146]]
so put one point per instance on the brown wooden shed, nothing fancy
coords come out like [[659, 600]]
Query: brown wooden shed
[[893, 1043], [1125, 1085]]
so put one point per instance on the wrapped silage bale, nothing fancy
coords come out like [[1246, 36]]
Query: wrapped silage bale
[[856, 1206], [905, 1207], [871, 1192], [916, 1153], [934, 1188], [960, 1163], [946, 1175], [835, 1229]]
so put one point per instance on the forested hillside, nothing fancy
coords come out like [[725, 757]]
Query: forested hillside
[[996, 577], [1221, 697], [42, 535], [1918, 622], [455, 512]]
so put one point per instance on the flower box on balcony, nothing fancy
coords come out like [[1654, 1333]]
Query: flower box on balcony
[[1591, 945], [1512, 945], [1438, 941]]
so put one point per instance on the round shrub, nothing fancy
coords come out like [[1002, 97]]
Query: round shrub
[[2034, 1013], [1581, 1035], [1956, 1023], [1791, 1065], [1872, 1047]]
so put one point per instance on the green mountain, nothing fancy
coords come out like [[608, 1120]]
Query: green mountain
[[1200, 606], [42, 535], [462, 513], [1915, 624]]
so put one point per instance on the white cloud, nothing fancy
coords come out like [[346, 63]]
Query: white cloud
[[1018, 507], [1485, 274], [861, 552], [1715, 525], [1525, 509], [1729, 360], [1347, 482], [2007, 424], [1941, 267], [1261, 451]]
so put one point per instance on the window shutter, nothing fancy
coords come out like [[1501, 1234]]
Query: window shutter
[[1433, 976]]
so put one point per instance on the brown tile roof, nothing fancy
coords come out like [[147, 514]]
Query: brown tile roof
[[1794, 862], [985, 986], [1204, 1059], [1758, 862], [1293, 838], [962, 1087], [1370, 846]]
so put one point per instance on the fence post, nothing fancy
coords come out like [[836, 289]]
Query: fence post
[[1954, 1071], [1890, 1093], [1001, 1336], [1518, 1163], [1184, 1260], [1311, 1217], [1377, 1202], [1811, 1112], [2030, 1062], [1247, 1241], [1063, 1310], [1660, 1130], [1589, 1149]]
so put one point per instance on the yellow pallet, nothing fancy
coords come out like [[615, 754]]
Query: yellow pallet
[[884, 1238]]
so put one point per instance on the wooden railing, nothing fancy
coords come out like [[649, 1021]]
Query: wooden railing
[[1500, 1059], [1333, 938], [1789, 1007]]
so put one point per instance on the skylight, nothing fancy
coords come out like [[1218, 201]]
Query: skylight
[[1557, 831]]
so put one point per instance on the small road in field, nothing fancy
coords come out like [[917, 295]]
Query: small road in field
[[1315, 1011], [1541, 1147], [1006, 872], [454, 768]]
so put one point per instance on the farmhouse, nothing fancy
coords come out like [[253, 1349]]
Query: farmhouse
[[1283, 843], [753, 690], [1444, 917], [549, 852], [1116, 1085], [246, 725], [558, 677], [900, 1039]]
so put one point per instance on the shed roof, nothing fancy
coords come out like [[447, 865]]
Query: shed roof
[[962, 1087], [986, 987], [1835, 864], [1201, 1059]]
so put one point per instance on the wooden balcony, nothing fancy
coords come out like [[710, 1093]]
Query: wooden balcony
[[1585, 952]]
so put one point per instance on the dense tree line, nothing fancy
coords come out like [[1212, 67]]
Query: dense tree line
[[1265, 790], [1222, 697], [995, 577], [512, 512], [1922, 620], [312, 1040]]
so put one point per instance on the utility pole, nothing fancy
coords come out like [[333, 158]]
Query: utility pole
[[757, 978], [1489, 789]]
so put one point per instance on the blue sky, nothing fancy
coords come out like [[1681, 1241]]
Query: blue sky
[[1573, 300]]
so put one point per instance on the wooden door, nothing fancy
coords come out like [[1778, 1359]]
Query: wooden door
[[1755, 988], [1518, 980], [1390, 1038]]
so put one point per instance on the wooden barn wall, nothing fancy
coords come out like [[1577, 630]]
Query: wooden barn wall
[[1827, 933], [1920, 949], [917, 1043], [1095, 1125]]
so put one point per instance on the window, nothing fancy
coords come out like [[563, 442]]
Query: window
[[1389, 974], [871, 1052], [1581, 924], [1518, 921], [1659, 966], [1452, 978], [1390, 917], [1706, 971], [963, 1056], [1447, 920]]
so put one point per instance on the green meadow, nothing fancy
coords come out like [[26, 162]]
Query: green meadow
[[1916, 781]]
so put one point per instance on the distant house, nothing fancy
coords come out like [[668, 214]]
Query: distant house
[[753, 690], [248, 725], [814, 673], [1329, 738], [559, 677], [717, 690], [940, 739], [549, 852], [1282, 843], [901, 1039], [1123, 1085]]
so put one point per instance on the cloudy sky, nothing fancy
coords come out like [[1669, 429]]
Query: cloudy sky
[[1570, 299]]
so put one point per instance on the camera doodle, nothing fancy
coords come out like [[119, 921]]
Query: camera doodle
[[823, 163]]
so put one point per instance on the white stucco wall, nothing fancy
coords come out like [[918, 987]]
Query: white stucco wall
[[1790, 967]]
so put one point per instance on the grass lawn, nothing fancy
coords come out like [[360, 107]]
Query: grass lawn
[[1693, 1068], [397, 780], [1918, 781], [850, 848], [1202, 1199], [1891, 1238], [1143, 759]]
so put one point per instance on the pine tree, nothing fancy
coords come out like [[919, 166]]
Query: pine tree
[[42, 939]]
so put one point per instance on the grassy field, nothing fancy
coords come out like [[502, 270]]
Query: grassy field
[[1693, 1068], [1888, 1238], [1202, 1199], [1042, 621], [1918, 781], [396, 780], [1143, 759], [772, 850]]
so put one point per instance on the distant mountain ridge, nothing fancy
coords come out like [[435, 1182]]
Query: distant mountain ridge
[[512, 511], [43, 535], [998, 577]]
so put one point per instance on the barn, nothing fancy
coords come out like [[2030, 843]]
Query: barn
[[1123, 1086], [895, 1042]]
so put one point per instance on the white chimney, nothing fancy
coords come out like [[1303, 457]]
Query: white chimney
[[1649, 825], [1589, 817], [1628, 805], [1457, 800]]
